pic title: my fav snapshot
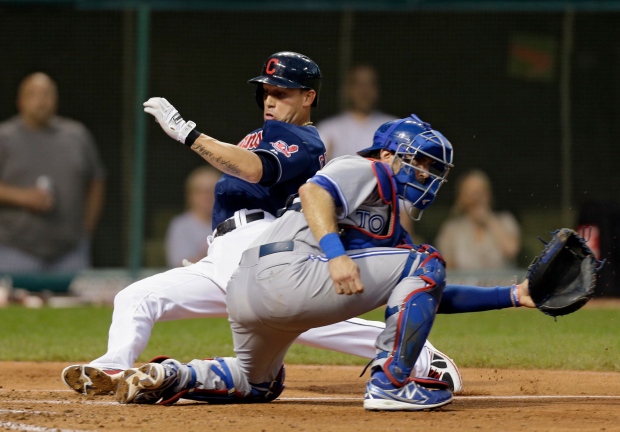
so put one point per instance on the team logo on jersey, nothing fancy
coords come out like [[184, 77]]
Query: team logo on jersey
[[251, 141], [284, 148]]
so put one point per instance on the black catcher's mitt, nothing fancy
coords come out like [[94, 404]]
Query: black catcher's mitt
[[562, 279]]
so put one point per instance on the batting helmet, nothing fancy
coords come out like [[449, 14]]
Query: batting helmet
[[289, 70], [407, 138]]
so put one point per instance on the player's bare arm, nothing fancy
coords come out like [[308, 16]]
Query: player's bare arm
[[227, 158], [320, 213]]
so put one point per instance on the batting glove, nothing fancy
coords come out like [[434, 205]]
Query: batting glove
[[170, 120]]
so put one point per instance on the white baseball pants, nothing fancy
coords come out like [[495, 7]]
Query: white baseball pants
[[198, 291]]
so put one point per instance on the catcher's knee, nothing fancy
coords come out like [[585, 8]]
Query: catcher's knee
[[432, 271], [269, 390]]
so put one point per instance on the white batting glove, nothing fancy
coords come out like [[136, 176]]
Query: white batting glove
[[169, 118]]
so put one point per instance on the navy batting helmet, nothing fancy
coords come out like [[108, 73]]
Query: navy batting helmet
[[289, 70]]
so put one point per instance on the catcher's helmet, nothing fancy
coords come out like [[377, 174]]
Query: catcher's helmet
[[289, 70], [409, 138]]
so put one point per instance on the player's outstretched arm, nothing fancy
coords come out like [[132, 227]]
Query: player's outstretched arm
[[467, 298], [320, 213], [227, 158]]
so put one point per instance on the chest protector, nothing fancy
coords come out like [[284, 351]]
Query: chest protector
[[359, 238]]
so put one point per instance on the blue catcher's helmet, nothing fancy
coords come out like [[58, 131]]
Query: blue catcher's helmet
[[408, 139], [289, 70]]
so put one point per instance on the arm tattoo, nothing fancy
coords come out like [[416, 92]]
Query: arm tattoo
[[227, 166]]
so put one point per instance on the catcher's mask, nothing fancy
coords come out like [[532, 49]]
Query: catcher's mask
[[410, 139], [288, 70]]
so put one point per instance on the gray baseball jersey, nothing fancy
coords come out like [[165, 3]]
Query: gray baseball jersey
[[274, 297]]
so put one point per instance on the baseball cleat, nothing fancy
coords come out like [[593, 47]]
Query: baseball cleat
[[90, 380], [147, 384], [443, 368], [382, 395]]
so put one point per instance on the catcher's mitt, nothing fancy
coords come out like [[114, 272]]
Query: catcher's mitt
[[562, 279]]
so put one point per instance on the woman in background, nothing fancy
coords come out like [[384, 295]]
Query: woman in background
[[476, 237]]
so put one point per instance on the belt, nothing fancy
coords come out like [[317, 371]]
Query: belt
[[271, 248], [295, 206], [230, 225]]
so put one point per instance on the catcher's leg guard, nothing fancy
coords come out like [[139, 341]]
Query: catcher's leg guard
[[412, 319], [219, 384]]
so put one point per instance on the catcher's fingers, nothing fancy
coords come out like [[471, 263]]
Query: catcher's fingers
[[350, 287], [345, 275]]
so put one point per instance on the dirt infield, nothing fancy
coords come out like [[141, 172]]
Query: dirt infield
[[323, 398]]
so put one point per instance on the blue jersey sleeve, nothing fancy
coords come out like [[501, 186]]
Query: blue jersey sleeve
[[464, 298], [330, 187], [287, 148]]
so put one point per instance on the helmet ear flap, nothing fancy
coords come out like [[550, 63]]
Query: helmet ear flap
[[260, 93]]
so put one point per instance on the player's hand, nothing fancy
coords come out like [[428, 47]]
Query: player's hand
[[345, 275], [36, 200], [524, 294], [169, 118]]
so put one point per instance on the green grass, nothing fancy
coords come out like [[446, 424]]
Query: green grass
[[586, 340]]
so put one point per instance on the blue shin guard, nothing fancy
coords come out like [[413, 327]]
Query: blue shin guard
[[415, 317]]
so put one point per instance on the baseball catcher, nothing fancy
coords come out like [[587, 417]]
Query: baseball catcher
[[562, 279]]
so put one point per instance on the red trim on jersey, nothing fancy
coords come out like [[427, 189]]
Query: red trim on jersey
[[393, 203], [374, 169]]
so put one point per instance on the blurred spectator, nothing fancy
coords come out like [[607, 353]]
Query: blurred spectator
[[353, 129], [476, 237], [51, 185], [187, 233]]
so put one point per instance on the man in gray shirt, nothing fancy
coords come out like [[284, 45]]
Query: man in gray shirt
[[51, 185]]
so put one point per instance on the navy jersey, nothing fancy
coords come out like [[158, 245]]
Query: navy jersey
[[299, 152]]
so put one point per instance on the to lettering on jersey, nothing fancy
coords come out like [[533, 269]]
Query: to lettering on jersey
[[251, 141], [284, 148], [374, 223], [270, 68]]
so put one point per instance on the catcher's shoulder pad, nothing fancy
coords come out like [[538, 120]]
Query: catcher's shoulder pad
[[562, 279]]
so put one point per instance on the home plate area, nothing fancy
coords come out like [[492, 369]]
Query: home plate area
[[323, 398]]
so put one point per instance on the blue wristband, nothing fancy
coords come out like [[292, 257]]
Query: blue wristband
[[332, 246]]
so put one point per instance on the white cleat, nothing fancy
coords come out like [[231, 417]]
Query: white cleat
[[90, 380], [443, 368]]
